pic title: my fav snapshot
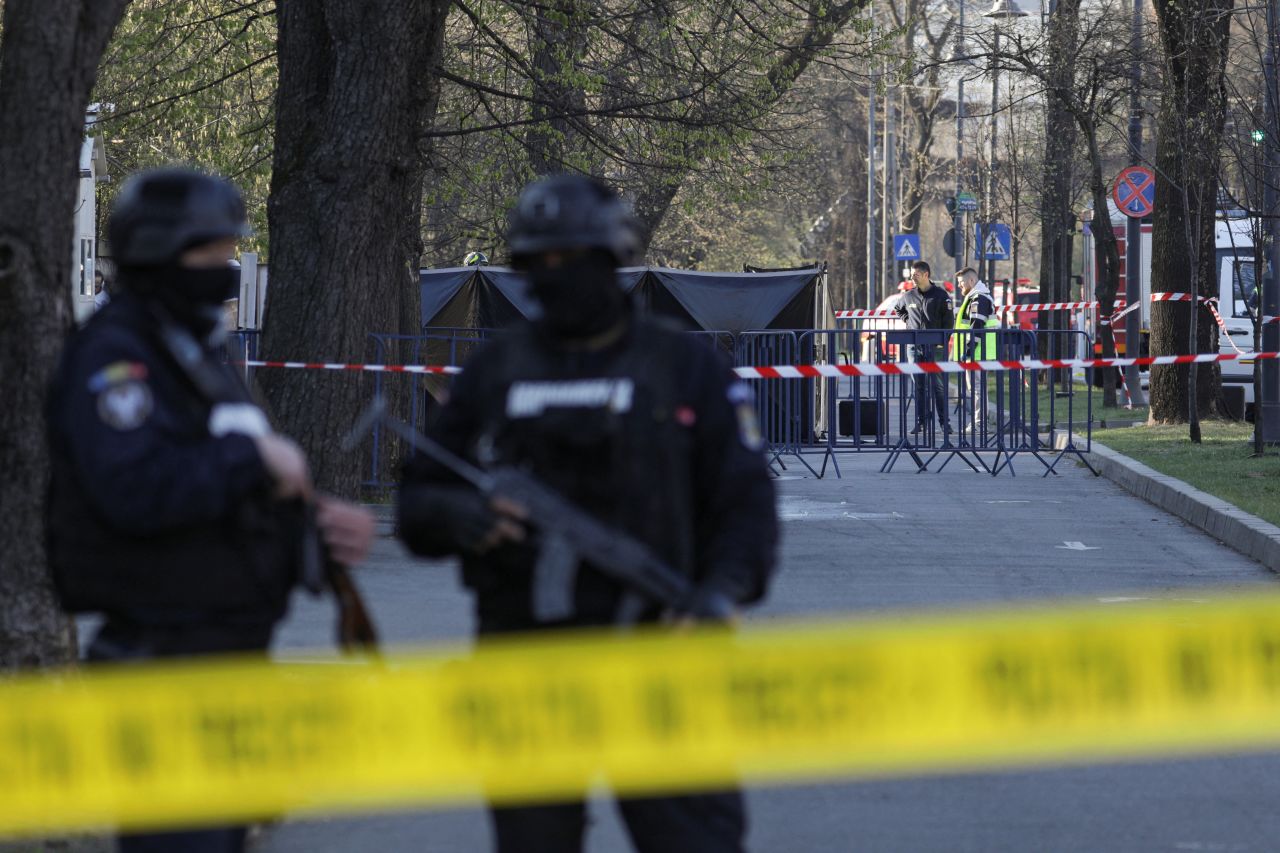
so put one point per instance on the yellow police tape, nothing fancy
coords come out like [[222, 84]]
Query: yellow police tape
[[544, 718]]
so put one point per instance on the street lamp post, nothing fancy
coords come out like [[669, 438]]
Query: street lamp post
[[1267, 408], [1133, 232], [872, 253], [1001, 10], [958, 217]]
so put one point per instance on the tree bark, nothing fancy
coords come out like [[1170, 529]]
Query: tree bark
[[356, 88], [1056, 217], [1189, 130], [48, 64]]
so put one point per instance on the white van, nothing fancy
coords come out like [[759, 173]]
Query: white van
[[1237, 295], [1238, 303]]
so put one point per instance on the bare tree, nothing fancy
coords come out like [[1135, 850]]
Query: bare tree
[[923, 98], [646, 95], [48, 62], [1056, 185], [1091, 95]]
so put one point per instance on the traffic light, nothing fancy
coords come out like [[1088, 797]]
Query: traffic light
[[1257, 136]]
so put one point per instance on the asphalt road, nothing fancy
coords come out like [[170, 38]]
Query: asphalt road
[[873, 543]]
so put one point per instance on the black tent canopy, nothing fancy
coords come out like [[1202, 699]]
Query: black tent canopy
[[491, 297]]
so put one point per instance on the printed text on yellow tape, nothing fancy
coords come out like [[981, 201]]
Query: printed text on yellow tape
[[543, 718]]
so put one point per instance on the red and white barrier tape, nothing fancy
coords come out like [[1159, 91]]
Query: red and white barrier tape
[[1212, 305], [1048, 306], [1172, 297], [850, 313], [371, 368], [820, 371], [815, 371], [1124, 386]]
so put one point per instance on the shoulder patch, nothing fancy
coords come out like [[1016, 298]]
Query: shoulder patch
[[125, 405], [117, 373]]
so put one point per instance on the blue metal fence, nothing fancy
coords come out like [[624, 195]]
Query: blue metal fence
[[986, 420]]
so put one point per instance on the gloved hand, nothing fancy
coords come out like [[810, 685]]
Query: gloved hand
[[457, 518], [709, 603]]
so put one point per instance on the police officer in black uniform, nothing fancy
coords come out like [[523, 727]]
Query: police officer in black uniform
[[174, 509], [639, 424], [927, 306]]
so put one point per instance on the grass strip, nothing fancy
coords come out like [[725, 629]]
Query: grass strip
[[1222, 464]]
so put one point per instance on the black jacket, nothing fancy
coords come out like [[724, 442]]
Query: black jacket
[[926, 310], [152, 517], [652, 435]]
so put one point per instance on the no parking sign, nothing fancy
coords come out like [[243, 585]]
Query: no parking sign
[[1135, 191]]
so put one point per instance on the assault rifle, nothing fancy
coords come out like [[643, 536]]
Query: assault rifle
[[569, 535]]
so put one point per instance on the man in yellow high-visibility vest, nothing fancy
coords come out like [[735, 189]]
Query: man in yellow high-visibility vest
[[976, 311]]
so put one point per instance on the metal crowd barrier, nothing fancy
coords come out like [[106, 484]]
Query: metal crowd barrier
[[437, 346], [780, 406], [240, 346], [994, 417]]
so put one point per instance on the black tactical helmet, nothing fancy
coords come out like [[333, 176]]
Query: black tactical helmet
[[160, 214], [573, 212]]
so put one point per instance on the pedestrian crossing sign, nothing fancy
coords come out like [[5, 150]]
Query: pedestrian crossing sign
[[906, 247], [994, 244]]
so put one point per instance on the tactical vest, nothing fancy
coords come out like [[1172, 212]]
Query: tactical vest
[[243, 563], [602, 430]]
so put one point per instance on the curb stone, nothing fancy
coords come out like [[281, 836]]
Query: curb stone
[[1225, 522]]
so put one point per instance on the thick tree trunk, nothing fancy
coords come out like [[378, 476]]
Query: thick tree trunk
[[355, 90], [1189, 130], [48, 64], [558, 39], [1056, 217]]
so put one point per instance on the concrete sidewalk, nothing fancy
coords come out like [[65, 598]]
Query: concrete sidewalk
[[888, 544]]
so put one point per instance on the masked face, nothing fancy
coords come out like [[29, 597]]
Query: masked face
[[193, 289], [577, 291]]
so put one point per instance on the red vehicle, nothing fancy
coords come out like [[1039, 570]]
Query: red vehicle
[[1026, 295]]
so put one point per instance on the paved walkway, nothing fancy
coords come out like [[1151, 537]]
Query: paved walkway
[[872, 542]]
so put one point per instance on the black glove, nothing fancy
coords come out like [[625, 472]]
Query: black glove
[[437, 520], [708, 603]]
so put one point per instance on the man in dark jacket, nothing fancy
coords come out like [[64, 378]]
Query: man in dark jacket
[[174, 509], [640, 425], [927, 307]]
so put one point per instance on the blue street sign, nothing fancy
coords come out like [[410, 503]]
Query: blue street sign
[[995, 245], [906, 247]]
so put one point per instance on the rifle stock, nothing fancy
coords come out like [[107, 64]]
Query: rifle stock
[[354, 630]]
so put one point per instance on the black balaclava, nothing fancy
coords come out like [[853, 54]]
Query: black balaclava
[[580, 298], [192, 297]]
